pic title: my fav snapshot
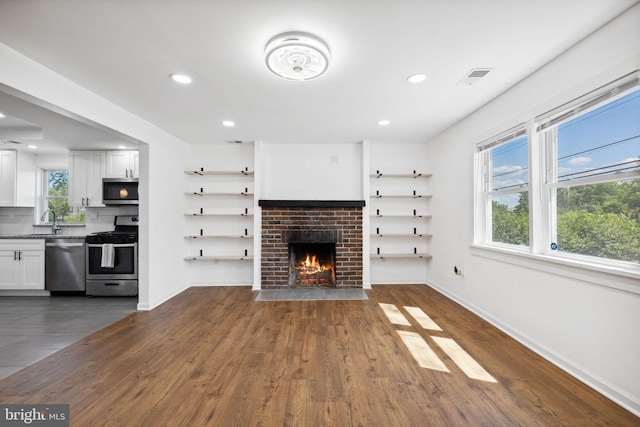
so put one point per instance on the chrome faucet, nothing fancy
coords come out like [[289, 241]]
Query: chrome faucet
[[55, 227]]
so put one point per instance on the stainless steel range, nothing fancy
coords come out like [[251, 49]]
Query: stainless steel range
[[112, 259]]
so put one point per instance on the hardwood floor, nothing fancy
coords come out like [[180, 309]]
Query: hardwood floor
[[214, 356]]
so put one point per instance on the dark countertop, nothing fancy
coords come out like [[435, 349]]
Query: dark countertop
[[41, 236]]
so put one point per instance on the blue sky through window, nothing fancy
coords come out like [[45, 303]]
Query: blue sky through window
[[510, 164], [603, 141]]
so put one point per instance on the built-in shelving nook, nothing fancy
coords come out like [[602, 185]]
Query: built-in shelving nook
[[399, 218], [219, 214]]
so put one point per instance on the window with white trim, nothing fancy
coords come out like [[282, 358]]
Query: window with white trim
[[585, 181], [592, 182], [55, 199], [505, 188]]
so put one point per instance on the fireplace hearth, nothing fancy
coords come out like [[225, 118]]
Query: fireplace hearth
[[311, 244]]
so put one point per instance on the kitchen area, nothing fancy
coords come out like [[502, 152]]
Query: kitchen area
[[94, 253], [68, 231]]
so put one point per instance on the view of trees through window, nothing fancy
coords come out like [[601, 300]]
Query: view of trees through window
[[591, 190], [56, 198], [601, 220], [511, 224]]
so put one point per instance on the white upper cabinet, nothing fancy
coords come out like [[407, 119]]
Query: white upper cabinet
[[86, 170], [122, 164], [7, 177], [17, 178]]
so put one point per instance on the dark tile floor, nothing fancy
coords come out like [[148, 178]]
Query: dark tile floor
[[32, 328]]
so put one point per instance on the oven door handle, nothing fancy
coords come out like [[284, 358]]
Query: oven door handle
[[118, 245]]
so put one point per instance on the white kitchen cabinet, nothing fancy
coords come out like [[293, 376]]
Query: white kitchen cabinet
[[17, 178], [7, 177], [123, 164], [86, 170], [22, 264]]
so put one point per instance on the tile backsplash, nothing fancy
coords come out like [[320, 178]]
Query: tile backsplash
[[23, 221]]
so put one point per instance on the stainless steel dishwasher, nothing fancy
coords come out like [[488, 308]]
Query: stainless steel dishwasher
[[64, 264]]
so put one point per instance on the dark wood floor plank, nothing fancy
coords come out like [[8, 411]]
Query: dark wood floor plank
[[214, 356]]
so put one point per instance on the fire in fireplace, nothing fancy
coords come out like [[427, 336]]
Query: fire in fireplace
[[312, 265]]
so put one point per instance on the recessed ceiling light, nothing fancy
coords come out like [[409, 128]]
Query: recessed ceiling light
[[33, 147], [2, 115], [181, 78], [228, 123], [384, 122], [122, 147], [297, 56], [417, 78]]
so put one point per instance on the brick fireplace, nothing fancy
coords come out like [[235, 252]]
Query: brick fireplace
[[287, 223]]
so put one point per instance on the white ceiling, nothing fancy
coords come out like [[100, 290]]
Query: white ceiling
[[125, 51]]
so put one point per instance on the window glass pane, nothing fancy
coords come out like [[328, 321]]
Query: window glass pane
[[510, 218], [510, 164], [600, 220], [56, 198], [58, 183], [601, 142]]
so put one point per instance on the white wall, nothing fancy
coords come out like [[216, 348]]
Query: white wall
[[310, 171], [161, 167], [592, 331]]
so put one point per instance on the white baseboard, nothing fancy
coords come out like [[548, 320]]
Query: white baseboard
[[612, 392]]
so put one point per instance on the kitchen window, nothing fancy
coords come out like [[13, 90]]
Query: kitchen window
[[580, 168], [56, 199]]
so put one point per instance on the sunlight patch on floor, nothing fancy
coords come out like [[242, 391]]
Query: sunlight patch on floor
[[394, 315], [461, 358], [421, 352], [422, 318]]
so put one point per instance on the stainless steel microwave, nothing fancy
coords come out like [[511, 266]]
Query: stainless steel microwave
[[120, 191]]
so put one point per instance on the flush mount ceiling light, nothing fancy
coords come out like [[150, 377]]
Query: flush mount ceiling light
[[417, 78], [181, 78], [297, 56], [384, 122], [228, 123]]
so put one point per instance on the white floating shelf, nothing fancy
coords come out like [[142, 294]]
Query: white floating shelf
[[397, 256], [218, 214], [211, 236], [218, 257], [400, 216], [401, 235], [195, 193], [400, 175], [401, 196], [219, 173]]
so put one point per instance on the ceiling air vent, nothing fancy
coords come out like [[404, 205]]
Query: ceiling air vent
[[473, 76]]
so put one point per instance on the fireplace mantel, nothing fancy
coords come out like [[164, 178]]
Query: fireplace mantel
[[312, 203]]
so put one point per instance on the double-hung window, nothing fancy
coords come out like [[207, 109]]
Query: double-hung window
[[56, 198], [505, 188], [580, 167], [592, 177]]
